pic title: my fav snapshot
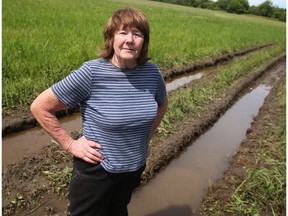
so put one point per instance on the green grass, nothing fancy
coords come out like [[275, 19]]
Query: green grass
[[44, 40]]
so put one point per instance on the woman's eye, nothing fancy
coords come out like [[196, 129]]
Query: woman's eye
[[138, 34]]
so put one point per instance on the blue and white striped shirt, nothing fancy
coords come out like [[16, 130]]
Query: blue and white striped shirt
[[118, 108]]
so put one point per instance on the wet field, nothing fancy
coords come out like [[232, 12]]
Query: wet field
[[179, 188]]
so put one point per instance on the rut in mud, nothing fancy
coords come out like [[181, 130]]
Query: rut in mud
[[194, 127], [219, 195], [178, 189], [28, 192], [184, 181]]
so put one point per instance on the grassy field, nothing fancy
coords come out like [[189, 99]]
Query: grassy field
[[44, 40]]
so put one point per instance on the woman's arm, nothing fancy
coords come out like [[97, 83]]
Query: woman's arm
[[160, 114], [44, 108]]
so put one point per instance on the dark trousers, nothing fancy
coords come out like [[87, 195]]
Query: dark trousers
[[96, 192]]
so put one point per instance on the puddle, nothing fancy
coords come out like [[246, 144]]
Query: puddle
[[170, 86], [179, 188], [16, 146], [184, 79]]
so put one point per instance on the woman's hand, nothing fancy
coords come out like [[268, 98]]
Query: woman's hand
[[86, 150], [43, 109]]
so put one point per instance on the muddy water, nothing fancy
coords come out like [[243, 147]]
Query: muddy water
[[16, 146], [31, 141], [184, 79], [178, 189], [170, 86]]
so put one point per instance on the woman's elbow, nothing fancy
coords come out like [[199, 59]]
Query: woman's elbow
[[35, 107], [40, 103]]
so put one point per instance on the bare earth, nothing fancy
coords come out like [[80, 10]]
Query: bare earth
[[33, 187]]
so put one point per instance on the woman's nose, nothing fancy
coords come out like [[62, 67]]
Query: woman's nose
[[130, 37]]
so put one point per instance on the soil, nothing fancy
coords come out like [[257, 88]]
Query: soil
[[33, 187]]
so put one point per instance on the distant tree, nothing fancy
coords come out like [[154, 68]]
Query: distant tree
[[211, 5], [189, 2], [222, 4], [196, 3], [265, 9], [238, 6], [279, 13], [245, 5], [203, 3], [254, 10]]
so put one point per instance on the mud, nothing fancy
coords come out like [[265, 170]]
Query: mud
[[32, 187]]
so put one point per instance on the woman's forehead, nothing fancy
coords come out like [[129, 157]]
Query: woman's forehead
[[128, 27]]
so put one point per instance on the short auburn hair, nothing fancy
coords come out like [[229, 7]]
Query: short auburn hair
[[126, 17]]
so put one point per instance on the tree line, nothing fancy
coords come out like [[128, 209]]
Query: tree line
[[265, 9]]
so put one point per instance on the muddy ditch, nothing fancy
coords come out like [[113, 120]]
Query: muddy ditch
[[179, 188], [193, 128], [27, 191], [20, 120], [185, 179], [219, 194]]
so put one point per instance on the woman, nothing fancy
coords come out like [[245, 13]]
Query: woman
[[123, 100]]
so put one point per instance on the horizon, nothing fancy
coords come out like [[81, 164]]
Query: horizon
[[278, 3]]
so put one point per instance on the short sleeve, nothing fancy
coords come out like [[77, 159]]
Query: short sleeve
[[75, 88], [161, 90]]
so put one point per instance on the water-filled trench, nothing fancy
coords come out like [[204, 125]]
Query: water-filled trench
[[179, 188]]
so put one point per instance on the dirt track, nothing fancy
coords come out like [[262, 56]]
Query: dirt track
[[25, 185]]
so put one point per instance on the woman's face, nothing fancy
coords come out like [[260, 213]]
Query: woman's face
[[127, 47]]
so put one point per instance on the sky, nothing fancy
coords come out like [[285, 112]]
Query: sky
[[279, 3]]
